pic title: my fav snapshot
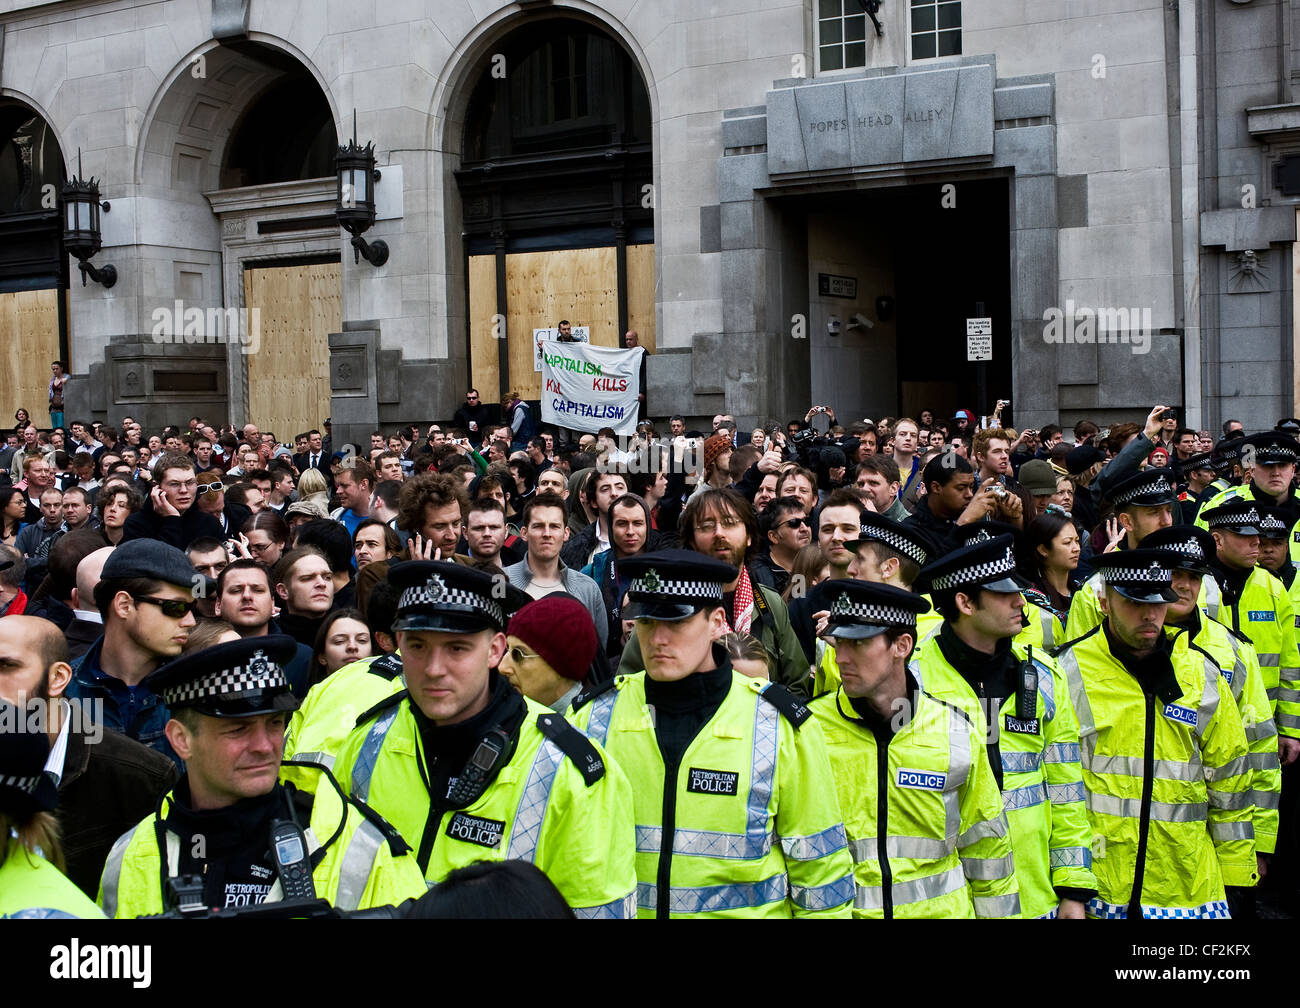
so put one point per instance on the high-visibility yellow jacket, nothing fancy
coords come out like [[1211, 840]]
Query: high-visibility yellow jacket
[[328, 714], [925, 824], [1240, 669], [749, 826], [359, 869], [1042, 630], [538, 808], [1264, 614], [1037, 766], [1085, 606], [31, 888], [1264, 500], [1169, 789]]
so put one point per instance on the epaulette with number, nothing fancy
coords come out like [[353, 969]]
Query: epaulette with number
[[387, 666], [791, 707], [575, 745]]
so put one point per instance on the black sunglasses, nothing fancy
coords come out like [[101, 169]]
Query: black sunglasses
[[171, 608], [796, 523]]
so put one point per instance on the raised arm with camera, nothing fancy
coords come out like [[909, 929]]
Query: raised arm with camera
[[1129, 458]]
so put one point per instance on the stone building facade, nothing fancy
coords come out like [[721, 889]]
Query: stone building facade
[[800, 206]]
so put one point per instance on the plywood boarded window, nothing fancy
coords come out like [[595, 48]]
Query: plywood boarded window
[[29, 321], [288, 375], [542, 288]]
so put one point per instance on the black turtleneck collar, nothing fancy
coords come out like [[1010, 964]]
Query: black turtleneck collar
[[1192, 624], [1154, 672], [1286, 575], [224, 828], [990, 675], [1231, 579], [883, 726], [702, 689]]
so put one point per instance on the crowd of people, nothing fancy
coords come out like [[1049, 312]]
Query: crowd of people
[[910, 667]]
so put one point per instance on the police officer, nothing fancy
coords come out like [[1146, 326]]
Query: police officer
[[735, 811], [924, 819], [469, 770], [1189, 553], [32, 884], [1271, 459], [1255, 605], [229, 834], [1018, 694], [1143, 503], [885, 552], [1163, 756], [1274, 540]]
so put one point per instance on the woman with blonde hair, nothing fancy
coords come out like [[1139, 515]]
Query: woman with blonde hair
[[32, 883], [312, 488]]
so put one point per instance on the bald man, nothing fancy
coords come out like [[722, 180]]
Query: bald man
[[107, 782], [87, 624]]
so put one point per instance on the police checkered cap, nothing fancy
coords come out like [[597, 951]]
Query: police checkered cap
[[1153, 485], [844, 608], [651, 583], [1146, 567], [1270, 525], [1238, 511], [677, 576], [1185, 546], [976, 564], [25, 784], [1203, 460], [1273, 447], [877, 528], [434, 591], [258, 673]]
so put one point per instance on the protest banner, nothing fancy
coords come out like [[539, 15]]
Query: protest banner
[[587, 387]]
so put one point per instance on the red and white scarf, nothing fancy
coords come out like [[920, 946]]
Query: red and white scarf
[[744, 604]]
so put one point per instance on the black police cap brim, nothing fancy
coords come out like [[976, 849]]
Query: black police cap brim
[[1192, 567], [859, 631], [440, 620], [1244, 528], [279, 701], [1147, 596], [664, 612], [1008, 585]]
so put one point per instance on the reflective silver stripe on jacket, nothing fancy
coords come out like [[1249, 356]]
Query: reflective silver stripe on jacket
[[113, 870], [987, 830], [364, 767], [915, 848], [602, 712], [823, 897], [756, 842], [997, 906], [323, 758], [1069, 665], [987, 869], [1209, 700], [1059, 794], [1070, 857], [1061, 752], [358, 863], [1134, 766], [526, 828], [713, 899], [1269, 659], [1020, 762], [913, 891], [1221, 832], [959, 763], [619, 909], [1230, 801], [1131, 808], [1024, 797], [818, 845]]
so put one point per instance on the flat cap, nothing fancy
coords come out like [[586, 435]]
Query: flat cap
[[150, 558]]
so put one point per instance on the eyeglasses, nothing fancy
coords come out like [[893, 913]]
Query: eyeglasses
[[210, 487], [518, 654], [711, 526], [260, 548], [795, 523], [171, 608]]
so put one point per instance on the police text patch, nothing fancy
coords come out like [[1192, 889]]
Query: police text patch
[[472, 829], [1261, 616], [925, 780], [719, 782], [1184, 715], [1022, 726]]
